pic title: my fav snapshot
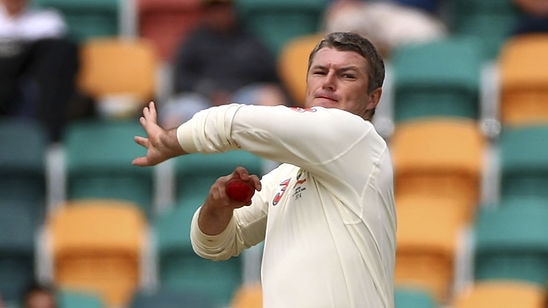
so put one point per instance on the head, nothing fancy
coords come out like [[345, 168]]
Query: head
[[220, 15], [345, 71], [14, 7], [38, 296]]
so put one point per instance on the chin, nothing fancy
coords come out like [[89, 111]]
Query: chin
[[325, 103]]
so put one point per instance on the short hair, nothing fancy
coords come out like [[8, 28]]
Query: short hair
[[350, 41]]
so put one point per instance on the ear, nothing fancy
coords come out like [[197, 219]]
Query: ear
[[374, 98]]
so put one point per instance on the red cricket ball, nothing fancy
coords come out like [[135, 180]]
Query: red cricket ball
[[239, 190]]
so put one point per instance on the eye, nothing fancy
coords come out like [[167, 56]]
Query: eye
[[319, 72], [349, 76]]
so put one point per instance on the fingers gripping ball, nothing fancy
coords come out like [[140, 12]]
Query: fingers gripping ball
[[239, 190]]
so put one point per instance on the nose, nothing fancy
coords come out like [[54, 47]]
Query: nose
[[329, 80]]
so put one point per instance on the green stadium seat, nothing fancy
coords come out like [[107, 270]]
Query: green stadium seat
[[195, 173], [17, 252], [166, 298], [409, 297], [98, 163], [510, 241], [278, 21], [523, 161], [489, 20], [181, 269], [88, 18], [438, 78], [22, 161], [67, 298]]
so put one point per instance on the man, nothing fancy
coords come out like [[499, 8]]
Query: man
[[219, 61], [38, 65], [326, 214]]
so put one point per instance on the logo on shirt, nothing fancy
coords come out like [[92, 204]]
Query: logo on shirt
[[283, 187], [297, 192]]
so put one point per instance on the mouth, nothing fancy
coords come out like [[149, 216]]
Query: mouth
[[324, 97]]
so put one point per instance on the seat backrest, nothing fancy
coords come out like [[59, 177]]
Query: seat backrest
[[119, 68], [78, 299], [248, 296], [428, 161], [293, 64], [409, 297], [523, 161], [490, 21], [510, 241], [180, 268], [97, 246], [16, 249], [437, 78], [500, 293], [168, 298], [424, 258], [523, 82], [196, 173], [88, 19], [23, 161], [98, 162], [276, 22], [166, 23]]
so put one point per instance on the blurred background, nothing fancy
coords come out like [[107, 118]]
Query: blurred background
[[464, 111]]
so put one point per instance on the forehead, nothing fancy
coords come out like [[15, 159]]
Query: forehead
[[328, 56]]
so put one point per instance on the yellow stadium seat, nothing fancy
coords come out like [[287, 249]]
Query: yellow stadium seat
[[120, 70], [427, 241], [524, 80], [439, 157], [248, 296], [293, 63], [501, 293], [97, 246]]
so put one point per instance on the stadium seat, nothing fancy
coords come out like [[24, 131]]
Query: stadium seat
[[24, 147], [523, 161], [97, 246], [439, 157], [88, 19], [166, 23], [510, 241], [18, 228], [195, 173], [248, 296], [293, 64], [119, 74], [523, 85], [408, 297], [168, 298], [77, 299], [490, 21], [278, 21], [98, 155], [181, 269], [427, 242], [500, 293], [436, 79]]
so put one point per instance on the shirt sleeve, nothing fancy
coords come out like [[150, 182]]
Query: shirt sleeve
[[308, 138]]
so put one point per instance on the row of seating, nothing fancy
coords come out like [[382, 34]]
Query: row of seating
[[107, 248], [167, 22], [447, 77], [451, 231]]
